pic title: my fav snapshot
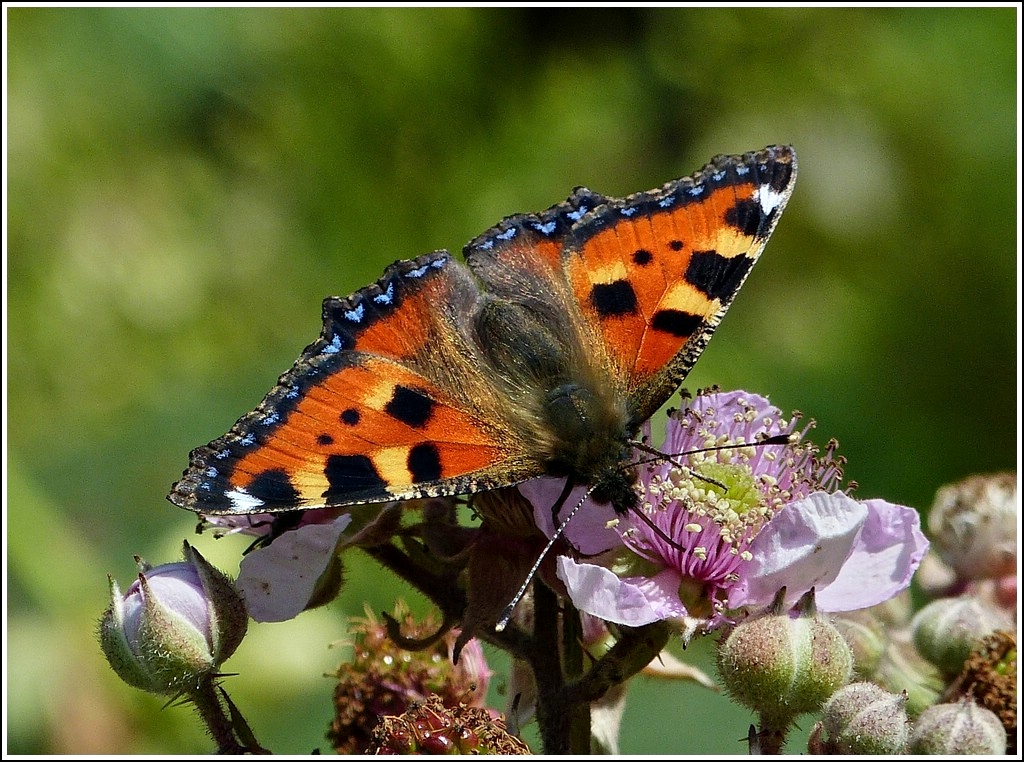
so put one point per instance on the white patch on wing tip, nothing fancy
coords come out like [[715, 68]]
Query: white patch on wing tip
[[769, 199], [242, 501]]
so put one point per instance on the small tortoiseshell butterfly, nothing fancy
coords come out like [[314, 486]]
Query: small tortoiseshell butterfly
[[563, 332]]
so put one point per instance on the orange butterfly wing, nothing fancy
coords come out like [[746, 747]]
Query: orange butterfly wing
[[386, 404]]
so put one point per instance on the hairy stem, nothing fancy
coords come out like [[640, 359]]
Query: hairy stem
[[218, 723]]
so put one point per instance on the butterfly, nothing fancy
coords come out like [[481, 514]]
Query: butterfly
[[541, 355]]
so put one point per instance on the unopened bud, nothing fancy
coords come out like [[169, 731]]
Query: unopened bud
[[903, 669], [866, 637], [947, 630], [961, 728], [973, 523], [175, 625], [864, 719], [781, 665]]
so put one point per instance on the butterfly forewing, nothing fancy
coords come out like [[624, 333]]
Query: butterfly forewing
[[654, 273]]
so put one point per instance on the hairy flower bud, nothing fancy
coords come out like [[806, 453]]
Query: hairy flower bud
[[862, 718], [974, 525], [866, 636], [947, 630], [961, 728], [175, 625], [782, 666]]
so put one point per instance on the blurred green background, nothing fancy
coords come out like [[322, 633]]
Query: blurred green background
[[186, 185]]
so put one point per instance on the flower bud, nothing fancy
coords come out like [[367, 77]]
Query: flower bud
[[783, 666], [866, 637], [974, 525], [947, 630], [961, 728], [864, 719], [175, 625]]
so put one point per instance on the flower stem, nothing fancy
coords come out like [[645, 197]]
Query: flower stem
[[573, 661], [219, 725], [770, 739], [546, 663]]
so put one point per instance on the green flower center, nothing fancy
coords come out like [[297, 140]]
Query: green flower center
[[725, 493], [732, 485]]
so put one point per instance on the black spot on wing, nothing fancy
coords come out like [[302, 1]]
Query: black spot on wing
[[642, 257], [325, 439], [273, 487], [717, 276], [410, 406], [611, 299], [747, 217], [676, 322], [349, 417], [675, 245], [424, 463], [348, 474]]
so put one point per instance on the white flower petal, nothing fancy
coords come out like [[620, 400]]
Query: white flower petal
[[278, 580], [598, 591], [632, 602], [889, 550], [804, 545]]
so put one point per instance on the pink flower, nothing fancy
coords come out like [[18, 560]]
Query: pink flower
[[725, 529]]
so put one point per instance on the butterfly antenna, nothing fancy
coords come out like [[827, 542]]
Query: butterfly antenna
[[506, 614], [658, 455]]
